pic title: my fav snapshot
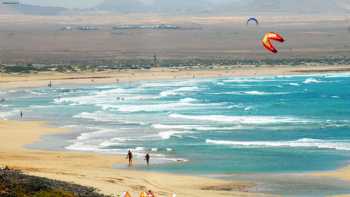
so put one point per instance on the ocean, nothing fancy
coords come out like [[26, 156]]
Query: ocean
[[214, 126]]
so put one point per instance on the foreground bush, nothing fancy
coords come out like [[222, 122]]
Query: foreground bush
[[15, 184]]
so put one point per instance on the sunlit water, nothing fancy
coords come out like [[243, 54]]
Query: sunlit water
[[206, 126]]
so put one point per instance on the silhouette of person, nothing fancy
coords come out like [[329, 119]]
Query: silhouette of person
[[129, 157], [147, 158]]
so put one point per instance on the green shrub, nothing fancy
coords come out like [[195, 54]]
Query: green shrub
[[53, 193]]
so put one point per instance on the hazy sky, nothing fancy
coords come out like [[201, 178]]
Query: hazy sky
[[64, 3], [91, 3], [287, 4]]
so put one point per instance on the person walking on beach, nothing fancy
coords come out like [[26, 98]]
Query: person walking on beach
[[147, 157], [21, 114], [129, 157]]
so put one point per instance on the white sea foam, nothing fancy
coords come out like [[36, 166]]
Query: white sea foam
[[137, 151], [113, 142], [173, 83], [9, 114], [105, 97], [188, 100], [239, 106], [168, 134], [102, 133], [264, 93], [152, 108], [303, 143], [179, 91], [155, 85], [311, 80], [241, 119], [245, 80], [154, 149], [81, 146], [37, 93], [181, 104], [101, 116], [294, 84], [253, 92], [338, 75], [195, 127], [139, 148], [71, 126], [97, 116]]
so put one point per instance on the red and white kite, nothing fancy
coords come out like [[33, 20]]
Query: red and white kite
[[266, 41]]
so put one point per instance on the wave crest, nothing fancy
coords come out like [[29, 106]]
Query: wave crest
[[301, 143], [241, 119]]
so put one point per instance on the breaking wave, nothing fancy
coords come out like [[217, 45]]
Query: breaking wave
[[179, 91], [302, 143], [311, 80], [242, 119]]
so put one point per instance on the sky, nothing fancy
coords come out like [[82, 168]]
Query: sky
[[64, 3], [321, 5], [92, 3]]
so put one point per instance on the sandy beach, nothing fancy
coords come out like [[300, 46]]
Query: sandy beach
[[8, 81], [95, 169]]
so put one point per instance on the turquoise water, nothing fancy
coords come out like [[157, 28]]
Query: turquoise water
[[211, 126]]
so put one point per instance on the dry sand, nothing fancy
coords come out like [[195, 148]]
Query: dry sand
[[8, 81], [343, 173]]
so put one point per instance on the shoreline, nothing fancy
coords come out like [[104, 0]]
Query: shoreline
[[94, 169], [8, 81], [91, 169]]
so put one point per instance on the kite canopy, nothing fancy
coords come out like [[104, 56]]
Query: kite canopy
[[266, 41], [252, 20]]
